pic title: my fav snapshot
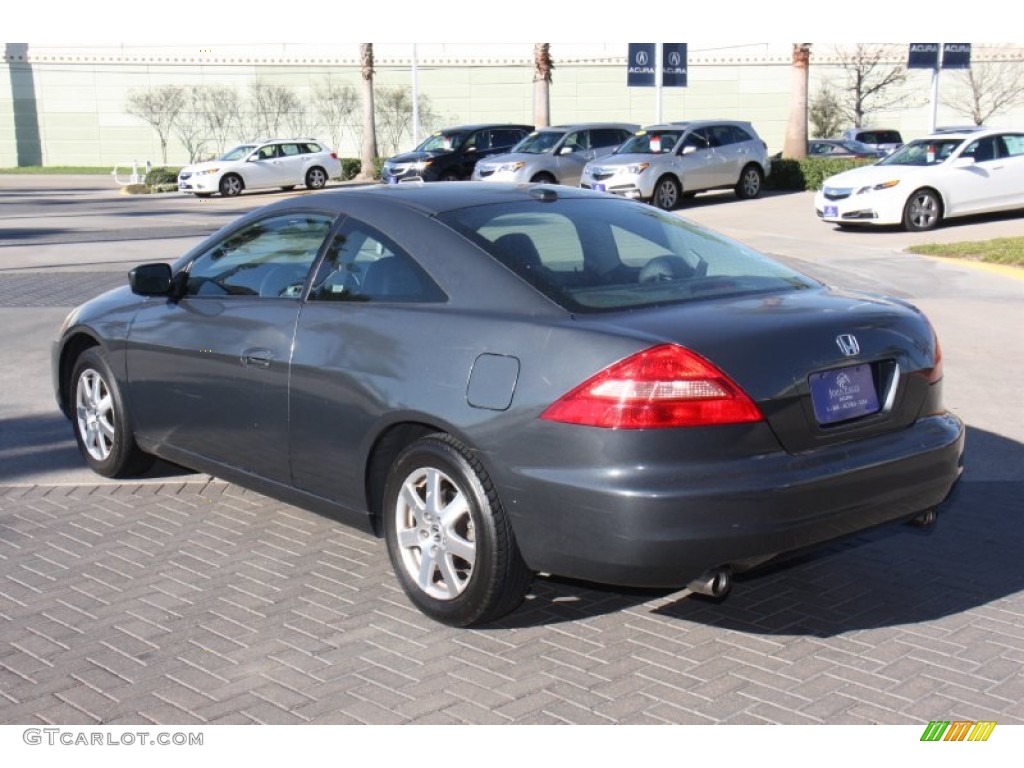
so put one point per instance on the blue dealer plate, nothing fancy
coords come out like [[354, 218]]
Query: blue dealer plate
[[831, 211], [843, 394]]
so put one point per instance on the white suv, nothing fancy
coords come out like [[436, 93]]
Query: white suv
[[283, 163], [664, 163]]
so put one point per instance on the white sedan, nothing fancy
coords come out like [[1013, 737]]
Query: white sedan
[[928, 180]]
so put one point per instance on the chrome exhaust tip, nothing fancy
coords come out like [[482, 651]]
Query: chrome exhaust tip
[[716, 582]]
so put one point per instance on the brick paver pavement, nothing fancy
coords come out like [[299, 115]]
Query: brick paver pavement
[[206, 603]]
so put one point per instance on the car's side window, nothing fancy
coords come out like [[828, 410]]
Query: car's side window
[[268, 152], [290, 150], [982, 150], [480, 140], [698, 139], [268, 258], [577, 141], [362, 264], [1014, 144], [607, 137]]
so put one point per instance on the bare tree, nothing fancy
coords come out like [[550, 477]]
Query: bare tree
[[824, 113], [988, 88], [542, 69], [368, 155], [272, 107], [393, 116], [335, 105], [795, 145], [221, 109], [873, 82], [160, 107], [190, 127]]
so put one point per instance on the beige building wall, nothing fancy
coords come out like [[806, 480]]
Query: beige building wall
[[80, 93]]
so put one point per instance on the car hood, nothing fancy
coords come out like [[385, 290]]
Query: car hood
[[207, 166], [415, 157], [627, 159], [511, 157], [869, 175]]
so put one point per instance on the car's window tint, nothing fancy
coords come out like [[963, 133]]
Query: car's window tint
[[269, 258], [607, 137], [604, 255], [982, 150], [268, 152], [289, 150], [506, 137], [650, 143], [1014, 144], [699, 139], [577, 141], [362, 264]]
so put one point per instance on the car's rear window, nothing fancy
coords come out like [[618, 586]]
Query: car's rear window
[[601, 255]]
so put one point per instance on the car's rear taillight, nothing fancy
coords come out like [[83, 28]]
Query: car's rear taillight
[[334, 155], [661, 387]]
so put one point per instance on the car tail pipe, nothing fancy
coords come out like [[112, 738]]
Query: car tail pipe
[[714, 582]]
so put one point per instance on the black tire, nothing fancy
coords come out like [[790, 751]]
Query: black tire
[[751, 183], [922, 212], [544, 178], [231, 185], [316, 178], [450, 176], [666, 193], [474, 573], [101, 423], [288, 188]]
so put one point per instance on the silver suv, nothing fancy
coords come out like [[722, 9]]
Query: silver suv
[[555, 155], [663, 163]]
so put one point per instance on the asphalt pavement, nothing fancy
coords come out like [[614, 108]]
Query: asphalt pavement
[[182, 599]]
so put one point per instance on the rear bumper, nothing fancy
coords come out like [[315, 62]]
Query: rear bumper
[[663, 525]]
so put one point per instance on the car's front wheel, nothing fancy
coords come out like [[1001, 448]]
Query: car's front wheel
[[316, 178], [450, 176], [666, 193], [750, 184], [922, 212], [448, 536], [101, 423], [231, 185]]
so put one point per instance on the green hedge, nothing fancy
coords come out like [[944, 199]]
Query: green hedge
[[350, 167], [808, 174]]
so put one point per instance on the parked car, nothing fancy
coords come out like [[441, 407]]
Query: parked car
[[555, 155], [451, 154], [506, 379], [885, 139], [842, 148], [664, 163], [928, 180], [283, 163]]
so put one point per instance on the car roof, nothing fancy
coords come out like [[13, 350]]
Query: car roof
[[432, 199], [478, 126], [676, 125], [579, 126], [967, 134]]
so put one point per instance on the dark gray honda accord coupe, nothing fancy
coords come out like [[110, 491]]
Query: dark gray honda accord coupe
[[503, 380]]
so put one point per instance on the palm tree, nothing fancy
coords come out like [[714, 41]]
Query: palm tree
[[368, 168], [795, 145], [542, 68]]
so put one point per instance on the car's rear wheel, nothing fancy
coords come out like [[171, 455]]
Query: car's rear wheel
[[922, 212], [448, 536], [666, 193], [750, 184], [316, 178], [231, 185], [101, 423]]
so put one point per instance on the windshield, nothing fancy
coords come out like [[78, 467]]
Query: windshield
[[923, 152], [539, 143], [650, 143], [238, 153], [442, 142], [604, 254]]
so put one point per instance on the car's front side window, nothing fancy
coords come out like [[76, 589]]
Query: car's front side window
[[269, 258]]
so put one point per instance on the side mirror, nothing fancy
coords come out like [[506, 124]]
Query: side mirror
[[566, 151], [151, 280], [963, 162], [689, 149]]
